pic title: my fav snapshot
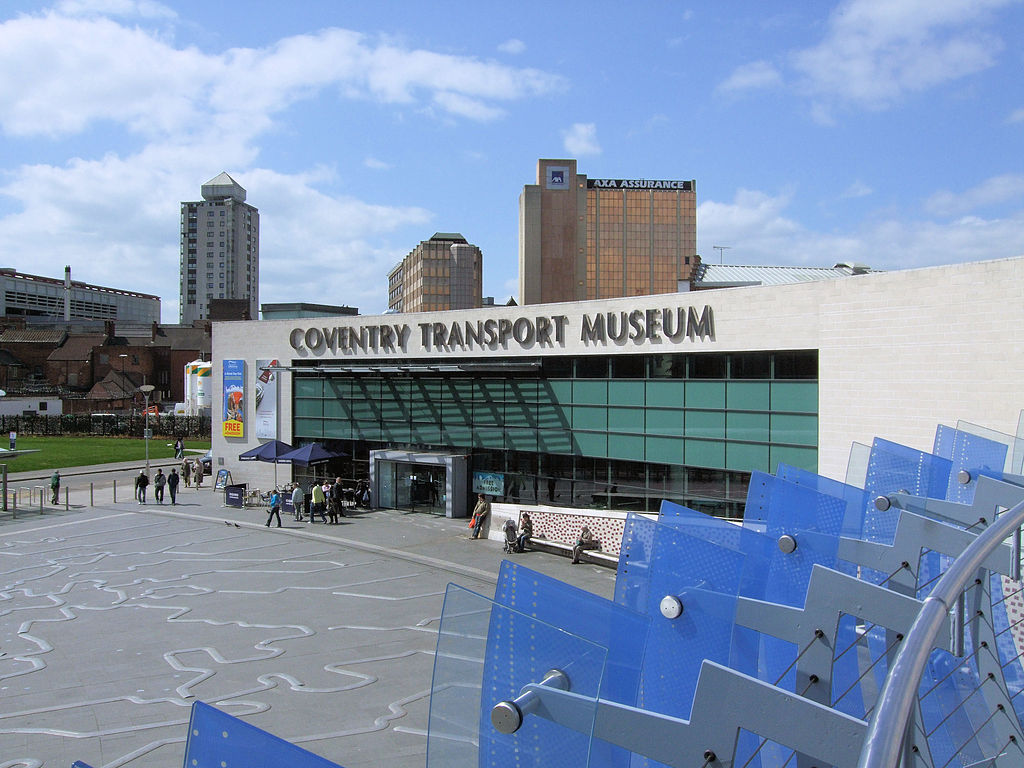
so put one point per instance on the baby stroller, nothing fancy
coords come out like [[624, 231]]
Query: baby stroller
[[509, 531]]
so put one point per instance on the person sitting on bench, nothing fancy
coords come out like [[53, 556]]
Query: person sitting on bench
[[525, 532], [586, 540]]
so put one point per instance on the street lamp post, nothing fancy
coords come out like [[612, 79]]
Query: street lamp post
[[124, 389], [146, 389]]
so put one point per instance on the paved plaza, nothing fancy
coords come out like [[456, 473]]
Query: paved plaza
[[116, 616]]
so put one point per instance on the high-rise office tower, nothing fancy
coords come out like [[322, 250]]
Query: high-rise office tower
[[582, 238], [442, 273], [220, 249]]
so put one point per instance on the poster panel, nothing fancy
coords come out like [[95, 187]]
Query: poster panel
[[234, 399], [266, 400], [490, 483]]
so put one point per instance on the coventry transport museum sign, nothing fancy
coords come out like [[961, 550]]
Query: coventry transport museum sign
[[639, 326]]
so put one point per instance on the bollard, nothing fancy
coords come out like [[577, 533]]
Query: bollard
[[91, 500], [115, 491], [40, 500], [67, 505]]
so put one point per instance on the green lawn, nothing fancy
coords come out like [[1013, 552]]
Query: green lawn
[[60, 452]]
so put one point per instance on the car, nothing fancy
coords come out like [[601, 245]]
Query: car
[[207, 461]]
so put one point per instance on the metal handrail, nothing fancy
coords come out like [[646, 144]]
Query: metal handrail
[[883, 743]]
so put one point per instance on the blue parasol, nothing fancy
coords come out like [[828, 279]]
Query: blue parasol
[[272, 451], [314, 453]]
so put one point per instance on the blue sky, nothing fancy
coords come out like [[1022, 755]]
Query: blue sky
[[889, 132]]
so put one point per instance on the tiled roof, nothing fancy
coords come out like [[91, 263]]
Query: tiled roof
[[77, 347], [33, 336]]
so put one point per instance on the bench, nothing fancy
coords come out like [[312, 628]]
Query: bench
[[556, 533]]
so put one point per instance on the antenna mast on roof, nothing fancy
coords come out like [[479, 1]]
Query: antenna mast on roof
[[721, 248]]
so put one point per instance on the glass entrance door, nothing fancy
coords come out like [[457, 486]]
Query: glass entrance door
[[413, 487]]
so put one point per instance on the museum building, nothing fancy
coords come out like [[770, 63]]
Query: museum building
[[621, 403]]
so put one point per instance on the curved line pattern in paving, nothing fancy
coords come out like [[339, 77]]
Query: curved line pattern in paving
[[112, 624]]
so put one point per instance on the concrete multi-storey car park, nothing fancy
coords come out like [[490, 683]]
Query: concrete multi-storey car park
[[624, 402]]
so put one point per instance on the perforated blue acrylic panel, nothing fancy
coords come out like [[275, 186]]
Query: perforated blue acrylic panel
[[942, 445], [453, 720], [216, 739], [487, 653], [977, 455], [745, 643], [896, 468], [1014, 443], [600, 621], [705, 578], [957, 717], [855, 498], [603, 622], [521, 650], [813, 519]]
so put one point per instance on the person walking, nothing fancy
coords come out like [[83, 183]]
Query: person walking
[[172, 485], [55, 487], [337, 501], [141, 483], [179, 448], [275, 507], [316, 495], [480, 513], [186, 472], [158, 486], [363, 493], [297, 502], [199, 475]]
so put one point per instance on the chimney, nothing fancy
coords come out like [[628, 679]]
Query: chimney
[[67, 293]]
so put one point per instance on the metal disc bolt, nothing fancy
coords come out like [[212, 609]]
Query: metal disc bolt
[[671, 607]]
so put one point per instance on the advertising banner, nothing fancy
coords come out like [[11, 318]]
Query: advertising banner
[[266, 400], [234, 399], [490, 483]]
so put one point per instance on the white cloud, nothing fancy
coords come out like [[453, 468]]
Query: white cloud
[[338, 239], [108, 209], [998, 189], [757, 74], [512, 46], [377, 165], [1017, 116], [464, 106], [857, 189], [876, 51], [76, 71], [146, 9], [114, 216], [581, 139], [758, 231]]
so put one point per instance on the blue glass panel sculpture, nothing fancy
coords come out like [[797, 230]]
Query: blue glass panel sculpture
[[216, 739]]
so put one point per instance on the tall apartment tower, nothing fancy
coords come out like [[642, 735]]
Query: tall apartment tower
[[220, 250], [442, 273], [582, 238]]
